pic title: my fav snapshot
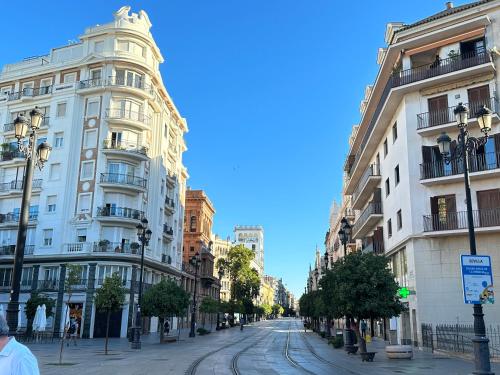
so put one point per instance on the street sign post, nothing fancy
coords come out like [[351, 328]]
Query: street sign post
[[477, 279]]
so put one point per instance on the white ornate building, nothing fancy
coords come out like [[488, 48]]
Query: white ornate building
[[252, 237], [117, 142]]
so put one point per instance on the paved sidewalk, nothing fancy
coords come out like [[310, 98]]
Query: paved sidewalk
[[423, 362]]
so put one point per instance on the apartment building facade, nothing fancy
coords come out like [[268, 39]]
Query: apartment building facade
[[117, 141], [221, 248], [198, 220], [409, 205], [252, 237]]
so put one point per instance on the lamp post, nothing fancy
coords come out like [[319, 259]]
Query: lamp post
[[196, 262], [221, 274], [144, 236], [344, 236], [467, 146], [35, 155]]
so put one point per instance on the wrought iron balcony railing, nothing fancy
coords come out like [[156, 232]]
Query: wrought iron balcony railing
[[118, 113], [446, 116], [373, 208], [489, 217], [123, 179], [124, 212], [112, 144], [477, 163]]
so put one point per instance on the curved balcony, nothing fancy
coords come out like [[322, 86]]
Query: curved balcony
[[123, 182], [125, 149], [169, 205], [136, 120], [16, 187], [117, 84], [367, 220], [119, 215], [168, 232]]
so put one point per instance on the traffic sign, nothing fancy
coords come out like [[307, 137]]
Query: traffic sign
[[477, 279]]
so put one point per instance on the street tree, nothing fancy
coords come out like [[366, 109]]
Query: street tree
[[164, 300], [360, 286], [208, 306], [245, 281], [267, 309], [73, 278], [110, 298], [278, 309]]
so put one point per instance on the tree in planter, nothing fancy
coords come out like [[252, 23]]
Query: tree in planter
[[73, 278], [108, 299], [163, 300], [208, 306], [36, 300], [361, 286]]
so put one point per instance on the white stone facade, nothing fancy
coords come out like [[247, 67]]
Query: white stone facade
[[252, 237], [117, 141], [409, 205]]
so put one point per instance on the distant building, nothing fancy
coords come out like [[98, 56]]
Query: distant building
[[220, 248], [198, 219], [252, 237]]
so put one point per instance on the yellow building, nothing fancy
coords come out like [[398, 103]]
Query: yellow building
[[267, 292], [220, 249]]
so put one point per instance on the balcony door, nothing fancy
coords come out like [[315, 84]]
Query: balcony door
[[444, 212], [478, 96], [438, 110], [488, 203]]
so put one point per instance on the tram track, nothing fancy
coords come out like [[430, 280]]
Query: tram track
[[286, 353], [194, 366], [325, 361], [234, 360]]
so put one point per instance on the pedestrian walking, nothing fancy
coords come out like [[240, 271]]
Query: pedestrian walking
[[363, 329], [242, 322], [73, 331], [166, 327], [15, 358]]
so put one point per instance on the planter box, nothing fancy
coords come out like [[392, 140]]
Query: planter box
[[399, 351]]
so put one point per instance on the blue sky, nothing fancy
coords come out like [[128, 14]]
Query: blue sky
[[270, 90]]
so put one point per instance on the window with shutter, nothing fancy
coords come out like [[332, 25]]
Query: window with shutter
[[478, 96], [438, 110]]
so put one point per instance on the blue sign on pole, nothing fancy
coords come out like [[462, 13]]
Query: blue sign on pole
[[477, 279]]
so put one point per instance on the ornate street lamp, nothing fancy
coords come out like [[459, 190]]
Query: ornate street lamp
[[326, 260], [467, 146], [35, 155], [144, 236], [196, 262], [344, 236], [221, 274]]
